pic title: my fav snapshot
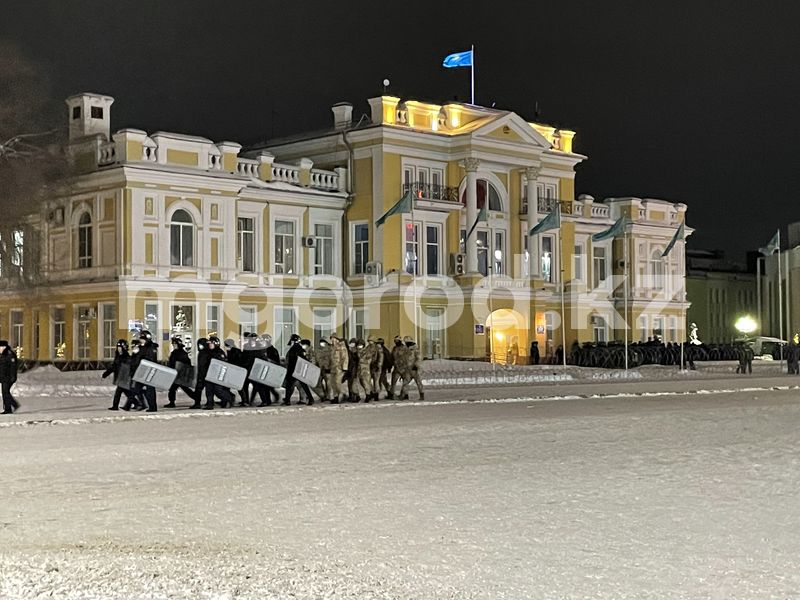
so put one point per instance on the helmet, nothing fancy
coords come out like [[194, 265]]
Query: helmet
[[335, 336], [213, 340], [305, 342], [229, 343], [407, 339], [177, 340], [267, 339], [371, 339], [202, 343], [324, 342], [353, 342], [379, 341], [145, 335], [294, 338], [122, 344], [360, 343]]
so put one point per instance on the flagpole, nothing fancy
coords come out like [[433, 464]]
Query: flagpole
[[472, 72], [780, 298], [563, 289], [625, 288]]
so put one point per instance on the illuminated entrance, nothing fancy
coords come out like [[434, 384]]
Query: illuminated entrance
[[507, 337]]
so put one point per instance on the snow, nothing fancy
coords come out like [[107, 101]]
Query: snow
[[642, 493]]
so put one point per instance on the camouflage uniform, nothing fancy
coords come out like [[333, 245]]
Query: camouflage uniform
[[399, 348], [323, 358], [411, 361], [366, 354], [339, 362], [386, 367], [376, 367]]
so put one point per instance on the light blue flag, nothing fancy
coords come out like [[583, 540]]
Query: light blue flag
[[401, 206], [612, 231], [774, 244], [459, 59], [679, 235], [551, 221]]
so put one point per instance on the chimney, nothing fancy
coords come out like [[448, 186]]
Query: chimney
[[89, 114], [342, 115]]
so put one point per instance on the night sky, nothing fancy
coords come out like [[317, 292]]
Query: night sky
[[694, 102]]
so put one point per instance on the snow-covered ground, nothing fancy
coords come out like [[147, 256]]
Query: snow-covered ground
[[685, 496]]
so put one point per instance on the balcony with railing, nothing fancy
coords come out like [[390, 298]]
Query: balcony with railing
[[431, 191]]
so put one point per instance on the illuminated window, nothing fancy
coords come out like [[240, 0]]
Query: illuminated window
[[85, 241], [181, 239], [284, 247]]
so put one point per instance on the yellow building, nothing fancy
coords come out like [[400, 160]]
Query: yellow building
[[180, 234]]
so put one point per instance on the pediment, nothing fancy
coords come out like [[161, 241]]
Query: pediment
[[513, 129]]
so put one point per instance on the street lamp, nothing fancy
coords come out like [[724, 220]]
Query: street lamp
[[746, 325]]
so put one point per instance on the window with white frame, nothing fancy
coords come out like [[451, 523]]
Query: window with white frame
[[656, 270], [658, 327], [526, 255], [599, 266], [360, 248], [59, 333], [578, 263], [546, 194], [212, 319], [323, 324], [181, 239], [433, 241], [151, 320], [109, 316], [85, 241], [246, 244], [248, 320], [285, 326], [284, 240], [499, 252], [483, 251], [323, 249], [641, 324], [412, 249], [672, 330], [547, 262], [599, 328], [83, 333], [17, 329], [18, 252], [358, 323]]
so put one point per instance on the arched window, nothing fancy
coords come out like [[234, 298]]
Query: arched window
[[486, 189], [657, 270], [181, 239], [85, 241]]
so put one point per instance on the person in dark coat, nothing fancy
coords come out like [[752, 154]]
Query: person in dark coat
[[180, 361], [351, 374], [297, 351], [135, 397], [120, 369], [8, 377], [535, 356], [214, 389], [203, 360], [264, 350], [236, 356], [149, 352]]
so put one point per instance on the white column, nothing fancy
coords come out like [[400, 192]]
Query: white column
[[471, 167], [531, 174]]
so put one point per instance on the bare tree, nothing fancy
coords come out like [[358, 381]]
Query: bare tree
[[31, 159]]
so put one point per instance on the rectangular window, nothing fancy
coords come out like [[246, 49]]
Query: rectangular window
[[526, 255], [17, 331], [285, 326], [672, 331], [151, 318], [97, 112], [83, 333], [360, 248], [432, 243], [212, 319], [642, 326], [323, 250], [181, 244], [437, 189], [109, 330], [547, 258], [462, 241], [248, 320], [245, 247], [59, 333], [483, 252], [600, 328], [412, 249], [578, 262], [76, 112], [499, 254], [85, 243], [358, 320], [284, 247], [17, 254], [323, 324], [599, 266], [658, 328]]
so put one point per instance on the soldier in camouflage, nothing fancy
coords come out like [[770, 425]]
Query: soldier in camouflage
[[366, 354], [375, 366], [409, 365], [399, 348], [339, 365], [386, 367], [324, 360]]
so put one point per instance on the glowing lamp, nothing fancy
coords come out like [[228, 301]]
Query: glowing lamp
[[746, 324]]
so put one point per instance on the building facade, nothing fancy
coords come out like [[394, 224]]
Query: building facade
[[180, 234]]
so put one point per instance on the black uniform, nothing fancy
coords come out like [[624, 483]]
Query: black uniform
[[149, 351], [135, 396], [121, 365], [239, 358], [8, 377], [214, 389], [294, 353], [180, 361]]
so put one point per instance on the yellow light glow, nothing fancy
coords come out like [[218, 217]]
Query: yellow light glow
[[499, 336], [746, 324]]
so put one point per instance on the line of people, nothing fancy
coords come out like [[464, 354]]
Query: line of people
[[349, 372]]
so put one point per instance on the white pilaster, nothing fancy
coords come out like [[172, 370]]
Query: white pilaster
[[471, 167], [531, 174]]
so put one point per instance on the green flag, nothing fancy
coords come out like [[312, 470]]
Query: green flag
[[612, 231], [774, 244], [402, 206], [483, 215], [679, 235], [551, 221]]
